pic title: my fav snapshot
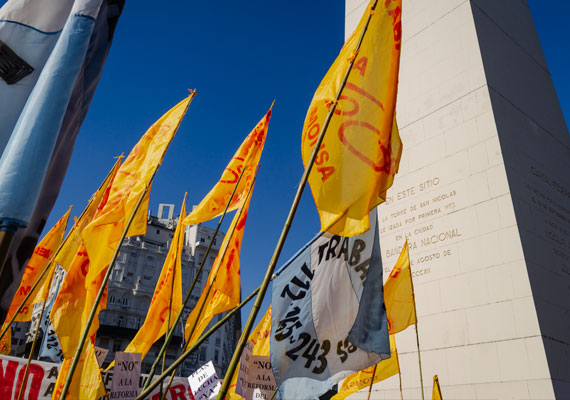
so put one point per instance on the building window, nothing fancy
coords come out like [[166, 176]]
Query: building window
[[217, 341], [147, 277], [216, 356], [120, 321], [116, 346], [158, 231], [111, 299], [202, 354]]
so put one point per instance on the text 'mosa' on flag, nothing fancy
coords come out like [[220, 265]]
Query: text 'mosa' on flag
[[362, 379], [360, 153], [328, 315], [247, 156], [64, 45], [222, 290], [399, 294], [167, 297]]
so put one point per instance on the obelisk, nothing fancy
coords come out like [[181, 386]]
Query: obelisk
[[483, 196]]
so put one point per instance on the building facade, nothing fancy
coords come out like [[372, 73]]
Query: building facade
[[132, 284]]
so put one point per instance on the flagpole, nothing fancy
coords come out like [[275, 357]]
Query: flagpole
[[399, 372], [231, 233], [55, 254], [273, 262], [194, 281], [372, 381], [25, 378], [146, 392], [417, 334], [180, 218], [110, 267]]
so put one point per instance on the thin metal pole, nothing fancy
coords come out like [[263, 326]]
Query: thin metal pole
[[46, 268], [399, 374], [146, 392], [110, 268], [25, 378], [231, 233], [372, 381], [187, 298], [285, 231]]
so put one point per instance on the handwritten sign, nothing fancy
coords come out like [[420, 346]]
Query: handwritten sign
[[127, 374], [255, 377], [204, 383]]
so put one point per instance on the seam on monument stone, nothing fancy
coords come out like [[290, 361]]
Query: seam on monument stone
[[442, 107], [565, 145], [545, 69], [436, 21]]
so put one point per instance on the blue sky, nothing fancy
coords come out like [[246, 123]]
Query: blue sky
[[240, 56]]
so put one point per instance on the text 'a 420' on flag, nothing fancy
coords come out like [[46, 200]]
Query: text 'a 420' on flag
[[328, 315], [360, 153]]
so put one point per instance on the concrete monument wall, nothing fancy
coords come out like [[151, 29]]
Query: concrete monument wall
[[483, 196]]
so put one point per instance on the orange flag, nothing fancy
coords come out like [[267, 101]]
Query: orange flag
[[43, 253], [224, 280], [376, 373], [247, 156], [360, 153], [169, 286], [101, 237], [399, 295]]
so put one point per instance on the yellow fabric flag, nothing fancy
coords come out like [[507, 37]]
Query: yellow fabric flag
[[101, 237], [360, 154], [361, 379], [43, 252], [224, 280], [73, 241], [247, 156], [6, 341], [399, 295], [261, 338], [436, 394], [70, 312], [169, 282]]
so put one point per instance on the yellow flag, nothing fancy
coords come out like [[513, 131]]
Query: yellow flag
[[43, 252], [399, 295], [260, 337], [224, 280], [6, 341], [102, 235], [169, 282], [360, 154], [384, 370], [86, 383], [247, 156], [70, 312], [436, 394], [65, 256]]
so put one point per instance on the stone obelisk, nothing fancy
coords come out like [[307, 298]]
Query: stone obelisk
[[483, 196]]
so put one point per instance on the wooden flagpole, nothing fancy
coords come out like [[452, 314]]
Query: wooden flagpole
[[417, 334], [285, 231], [194, 281], [25, 378], [372, 381], [55, 254], [146, 392], [212, 284], [111, 265], [180, 218]]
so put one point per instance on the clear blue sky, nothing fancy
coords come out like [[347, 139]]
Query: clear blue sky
[[240, 56]]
